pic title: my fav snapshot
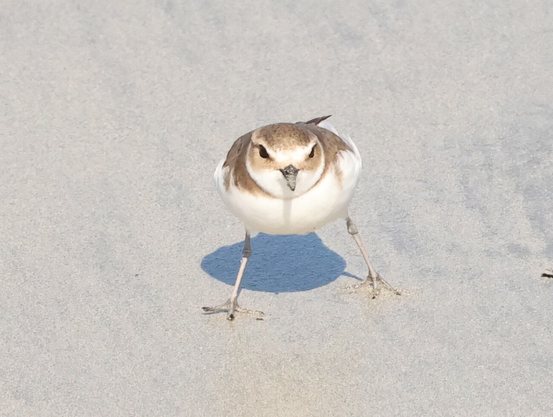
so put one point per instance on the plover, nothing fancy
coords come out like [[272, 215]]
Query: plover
[[290, 178]]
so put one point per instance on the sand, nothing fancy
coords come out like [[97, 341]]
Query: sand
[[112, 236]]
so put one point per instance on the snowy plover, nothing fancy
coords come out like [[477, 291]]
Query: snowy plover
[[290, 178]]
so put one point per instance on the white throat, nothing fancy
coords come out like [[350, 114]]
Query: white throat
[[274, 183]]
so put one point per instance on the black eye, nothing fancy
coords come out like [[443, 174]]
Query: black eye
[[312, 154], [263, 152]]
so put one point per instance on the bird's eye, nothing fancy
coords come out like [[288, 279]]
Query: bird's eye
[[312, 154], [263, 152]]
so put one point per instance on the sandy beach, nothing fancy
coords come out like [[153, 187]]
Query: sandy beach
[[113, 118]]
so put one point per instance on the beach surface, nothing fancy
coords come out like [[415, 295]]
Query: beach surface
[[113, 117]]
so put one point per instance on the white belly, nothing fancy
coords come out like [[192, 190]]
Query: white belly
[[325, 202]]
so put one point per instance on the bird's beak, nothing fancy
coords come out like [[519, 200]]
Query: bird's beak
[[290, 174]]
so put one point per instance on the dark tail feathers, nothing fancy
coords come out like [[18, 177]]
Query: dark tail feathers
[[315, 121]]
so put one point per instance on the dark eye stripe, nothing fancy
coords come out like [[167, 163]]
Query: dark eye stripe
[[312, 154]]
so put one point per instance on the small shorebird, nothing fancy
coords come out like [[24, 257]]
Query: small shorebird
[[290, 178]]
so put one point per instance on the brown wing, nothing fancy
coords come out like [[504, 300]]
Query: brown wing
[[239, 147], [236, 160]]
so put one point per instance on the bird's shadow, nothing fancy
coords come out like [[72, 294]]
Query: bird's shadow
[[285, 263]]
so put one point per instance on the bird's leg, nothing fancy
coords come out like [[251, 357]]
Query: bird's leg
[[231, 305], [373, 278]]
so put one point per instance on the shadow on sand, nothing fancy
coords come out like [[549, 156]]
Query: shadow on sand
[[278, 264]]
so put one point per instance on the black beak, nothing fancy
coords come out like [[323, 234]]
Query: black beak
[[290, 173]]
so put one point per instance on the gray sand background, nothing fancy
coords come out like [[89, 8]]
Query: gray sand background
[[113, 116]]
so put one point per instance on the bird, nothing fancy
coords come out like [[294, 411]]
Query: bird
[[290, 178]]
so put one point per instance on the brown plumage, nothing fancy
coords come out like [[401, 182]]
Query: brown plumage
[[278, 137]]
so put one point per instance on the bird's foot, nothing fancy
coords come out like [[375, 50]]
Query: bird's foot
[[374, 284], [231, 307]]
